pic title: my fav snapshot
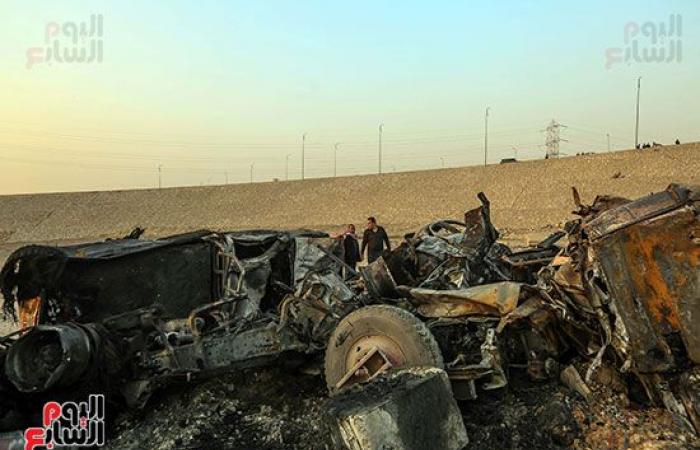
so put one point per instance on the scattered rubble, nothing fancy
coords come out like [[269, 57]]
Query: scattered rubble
[[571, 378], [246, 409], [587, 329]]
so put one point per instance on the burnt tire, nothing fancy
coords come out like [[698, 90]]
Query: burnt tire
[[397, 327]]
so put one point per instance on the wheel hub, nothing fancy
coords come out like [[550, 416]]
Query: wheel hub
[[370, 356]]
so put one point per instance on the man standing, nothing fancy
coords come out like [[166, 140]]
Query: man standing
[[374, 239], [351, 248]]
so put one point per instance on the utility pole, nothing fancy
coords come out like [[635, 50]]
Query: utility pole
[[159, 177], [335, 159], [608, 137], [442, 162], [636, 126], [303, 151], [286, 167], [381, 130], [252, 166], [486, 135]]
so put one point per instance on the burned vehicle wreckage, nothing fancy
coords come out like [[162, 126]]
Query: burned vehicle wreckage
[[620, 285]]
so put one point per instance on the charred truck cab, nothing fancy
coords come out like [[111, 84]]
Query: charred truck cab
[[142, 313]]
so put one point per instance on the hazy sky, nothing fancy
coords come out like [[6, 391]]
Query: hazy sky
[[206, 89]]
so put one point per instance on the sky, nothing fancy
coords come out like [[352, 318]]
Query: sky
[[215, 92]]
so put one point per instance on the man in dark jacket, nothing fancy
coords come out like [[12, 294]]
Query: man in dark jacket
[[373, 240], [351, 248]]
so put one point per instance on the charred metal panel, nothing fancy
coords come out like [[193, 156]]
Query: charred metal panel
[[177, 278], [634, 212], [243, 349], [497, 299], [378, 279], [652, 269], [90, 282]]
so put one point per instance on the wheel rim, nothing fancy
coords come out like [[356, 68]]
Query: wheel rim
[[369, 356]]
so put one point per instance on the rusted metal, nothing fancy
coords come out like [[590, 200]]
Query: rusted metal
[[651, 264], [29, 311], [378, 279], [497, 299]]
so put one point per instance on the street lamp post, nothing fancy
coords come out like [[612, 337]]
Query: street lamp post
[[303, 151], [160, 166], [636, 126], [486, 135]]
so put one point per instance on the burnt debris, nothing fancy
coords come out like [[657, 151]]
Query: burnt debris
[[617, 289]]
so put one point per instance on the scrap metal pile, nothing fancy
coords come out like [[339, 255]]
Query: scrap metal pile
[[619, 286]]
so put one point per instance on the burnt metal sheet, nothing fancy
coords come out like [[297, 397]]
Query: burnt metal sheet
[[378, 279], [634, 212], [496, 299], [121, 247], [652, 269], [310, 256]]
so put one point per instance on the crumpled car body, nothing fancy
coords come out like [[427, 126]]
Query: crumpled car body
[[127, 316], [630, 279], [89, 282]]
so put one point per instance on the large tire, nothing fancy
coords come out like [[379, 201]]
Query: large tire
[[393, 327]]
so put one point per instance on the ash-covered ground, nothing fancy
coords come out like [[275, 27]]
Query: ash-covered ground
[[264, 409], [279, 408]]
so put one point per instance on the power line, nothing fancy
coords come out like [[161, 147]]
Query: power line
[[397, 149], [225, 145]]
